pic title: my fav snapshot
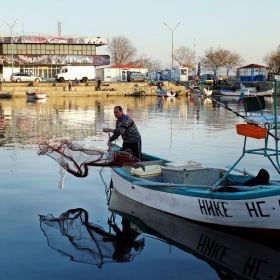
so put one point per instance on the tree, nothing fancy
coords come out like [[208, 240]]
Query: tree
[[121, 50], [232, 60], [156, 65], [144, 61], [272, 60], [184, 56], [214, 59]]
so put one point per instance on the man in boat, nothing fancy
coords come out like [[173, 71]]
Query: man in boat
[[127, 129]]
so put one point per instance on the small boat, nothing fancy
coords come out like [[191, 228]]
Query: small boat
[[136, 93], [247, 91], [197, 92], [164, 93], [6, 95], [231, 256], [214, 196], [36, 94], [234, 99]]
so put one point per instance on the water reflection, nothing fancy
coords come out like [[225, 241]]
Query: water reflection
[[24, 123], [231, 256], [72, 235]]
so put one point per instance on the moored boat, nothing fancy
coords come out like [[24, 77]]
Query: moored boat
[[213, 196], [164, 93], [247, 91], [36, 94], [6, 95]]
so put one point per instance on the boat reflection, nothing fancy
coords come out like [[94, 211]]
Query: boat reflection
[[36, 101], [231, 256], [72, 235]]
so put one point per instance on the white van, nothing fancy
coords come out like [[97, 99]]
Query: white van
[[82, 73]]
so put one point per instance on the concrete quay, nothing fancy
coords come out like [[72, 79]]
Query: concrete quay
[[90, 89]]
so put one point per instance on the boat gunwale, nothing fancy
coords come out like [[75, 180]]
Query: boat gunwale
[[194, 191]]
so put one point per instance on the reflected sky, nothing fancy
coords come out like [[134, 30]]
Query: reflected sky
[[31, 185]]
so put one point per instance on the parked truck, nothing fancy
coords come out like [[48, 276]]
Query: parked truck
[[82, 73]]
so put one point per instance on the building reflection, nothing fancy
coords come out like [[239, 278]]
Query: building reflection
[[25, 124]]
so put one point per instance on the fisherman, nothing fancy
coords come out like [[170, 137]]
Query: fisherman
[[127, 129]]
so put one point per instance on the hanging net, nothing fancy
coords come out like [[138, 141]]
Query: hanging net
[[72, 235], [77, 160]]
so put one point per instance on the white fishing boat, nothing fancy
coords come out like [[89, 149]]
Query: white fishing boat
[[198, 93], [247, 91], [213, 196], [35, 94], [164, 93]]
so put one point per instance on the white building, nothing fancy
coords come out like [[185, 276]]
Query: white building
[[118, 73]]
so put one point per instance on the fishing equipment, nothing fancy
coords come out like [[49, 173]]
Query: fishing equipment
[[77, 160]]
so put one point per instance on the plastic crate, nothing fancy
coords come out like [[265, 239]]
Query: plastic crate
[[252, 131]]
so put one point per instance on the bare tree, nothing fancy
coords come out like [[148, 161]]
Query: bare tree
[[272, 60], [214, 59], [121, 50], [157, 66], [184, 56], [232, 60], [144, 61]]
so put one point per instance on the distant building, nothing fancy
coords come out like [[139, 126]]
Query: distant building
[[43, 55], [118, 72], [252, 72], [180, 75]]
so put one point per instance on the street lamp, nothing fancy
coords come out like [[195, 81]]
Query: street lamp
[[12, 53], [172, 30]]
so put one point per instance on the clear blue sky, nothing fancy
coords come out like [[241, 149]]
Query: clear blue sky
[[249, 27]]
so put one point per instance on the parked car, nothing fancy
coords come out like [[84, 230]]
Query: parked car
[[138, 77], [24, 77], [207, 77]]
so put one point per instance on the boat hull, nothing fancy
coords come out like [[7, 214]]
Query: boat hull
[[165, 93], [247, 92], [250, 210], [35, 95]]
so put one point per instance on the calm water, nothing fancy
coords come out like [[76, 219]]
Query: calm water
[[178, 129]]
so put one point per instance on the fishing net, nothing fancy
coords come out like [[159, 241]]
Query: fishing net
[[77, 160], [72, 235]]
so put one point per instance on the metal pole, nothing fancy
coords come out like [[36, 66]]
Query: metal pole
[[12, 51], [172, 30], [172, 51]]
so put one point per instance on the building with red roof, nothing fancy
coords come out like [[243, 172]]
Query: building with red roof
[[252, 72]]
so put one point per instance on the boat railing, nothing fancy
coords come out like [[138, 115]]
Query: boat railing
[[264, 130]]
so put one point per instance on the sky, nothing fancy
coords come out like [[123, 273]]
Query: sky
[[248, 27]]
